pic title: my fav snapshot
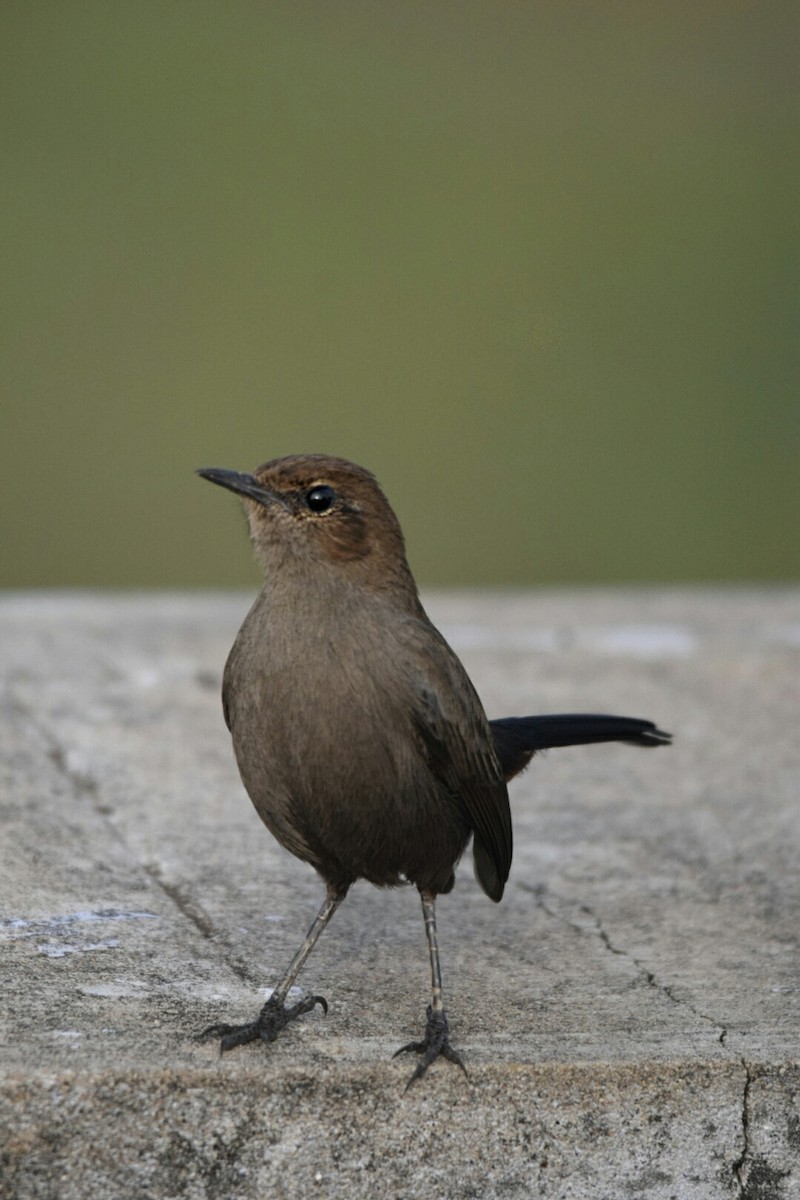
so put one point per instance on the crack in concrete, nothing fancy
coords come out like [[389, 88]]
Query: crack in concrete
[[751, 1173], [754, 1176], [185, 905], [739, 1169], [86, 785], [201, 921], [539, 891]]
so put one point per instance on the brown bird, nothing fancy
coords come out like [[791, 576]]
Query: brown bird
[[358, 734]]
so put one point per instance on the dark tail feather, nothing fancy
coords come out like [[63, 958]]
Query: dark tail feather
[[516, 739]]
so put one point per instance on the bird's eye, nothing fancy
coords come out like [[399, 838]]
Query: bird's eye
[[320, 498]]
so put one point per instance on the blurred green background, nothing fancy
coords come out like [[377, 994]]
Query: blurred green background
[[531, 263]]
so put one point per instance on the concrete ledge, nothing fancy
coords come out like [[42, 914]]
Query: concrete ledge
[[629, 1013]]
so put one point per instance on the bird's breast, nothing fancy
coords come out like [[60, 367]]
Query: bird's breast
[[324, 739]]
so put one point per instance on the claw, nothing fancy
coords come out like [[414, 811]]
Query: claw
[[274, 1017], [416, 1047], [436, 1044]]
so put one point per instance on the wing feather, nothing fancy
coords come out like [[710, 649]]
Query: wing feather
[[452, 726]]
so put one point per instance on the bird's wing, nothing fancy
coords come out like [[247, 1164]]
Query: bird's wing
[[454, 733]]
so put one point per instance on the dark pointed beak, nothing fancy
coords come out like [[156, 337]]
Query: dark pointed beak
[[245, 485]]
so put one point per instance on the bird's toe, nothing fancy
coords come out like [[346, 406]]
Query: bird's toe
[[435, 1044]]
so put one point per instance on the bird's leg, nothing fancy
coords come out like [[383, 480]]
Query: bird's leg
[[437, 1031], [274, 1016]]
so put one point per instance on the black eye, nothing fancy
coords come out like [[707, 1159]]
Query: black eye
[[320, 498]]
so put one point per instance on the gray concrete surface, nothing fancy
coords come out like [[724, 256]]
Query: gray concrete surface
[[629, 1014]]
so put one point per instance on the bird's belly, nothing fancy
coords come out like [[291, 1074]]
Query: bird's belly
[[355, 804]]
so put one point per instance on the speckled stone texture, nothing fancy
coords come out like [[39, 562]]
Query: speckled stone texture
[[630, 1013]]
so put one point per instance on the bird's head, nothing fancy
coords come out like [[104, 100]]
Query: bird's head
[[322, 512]]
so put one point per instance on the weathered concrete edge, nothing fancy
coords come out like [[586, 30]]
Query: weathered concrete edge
[[725, 1120]]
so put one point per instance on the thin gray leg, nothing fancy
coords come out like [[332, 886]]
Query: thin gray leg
[[329, 907], [436, 1042], [429, 914], [275, 1016]]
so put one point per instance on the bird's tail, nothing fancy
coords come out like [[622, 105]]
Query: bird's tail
[[516, 739]]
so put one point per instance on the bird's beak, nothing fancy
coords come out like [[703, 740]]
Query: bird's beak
[[245, 485]]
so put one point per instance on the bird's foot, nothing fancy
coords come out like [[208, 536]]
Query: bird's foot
[[274, 1017], [435, 1044]]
